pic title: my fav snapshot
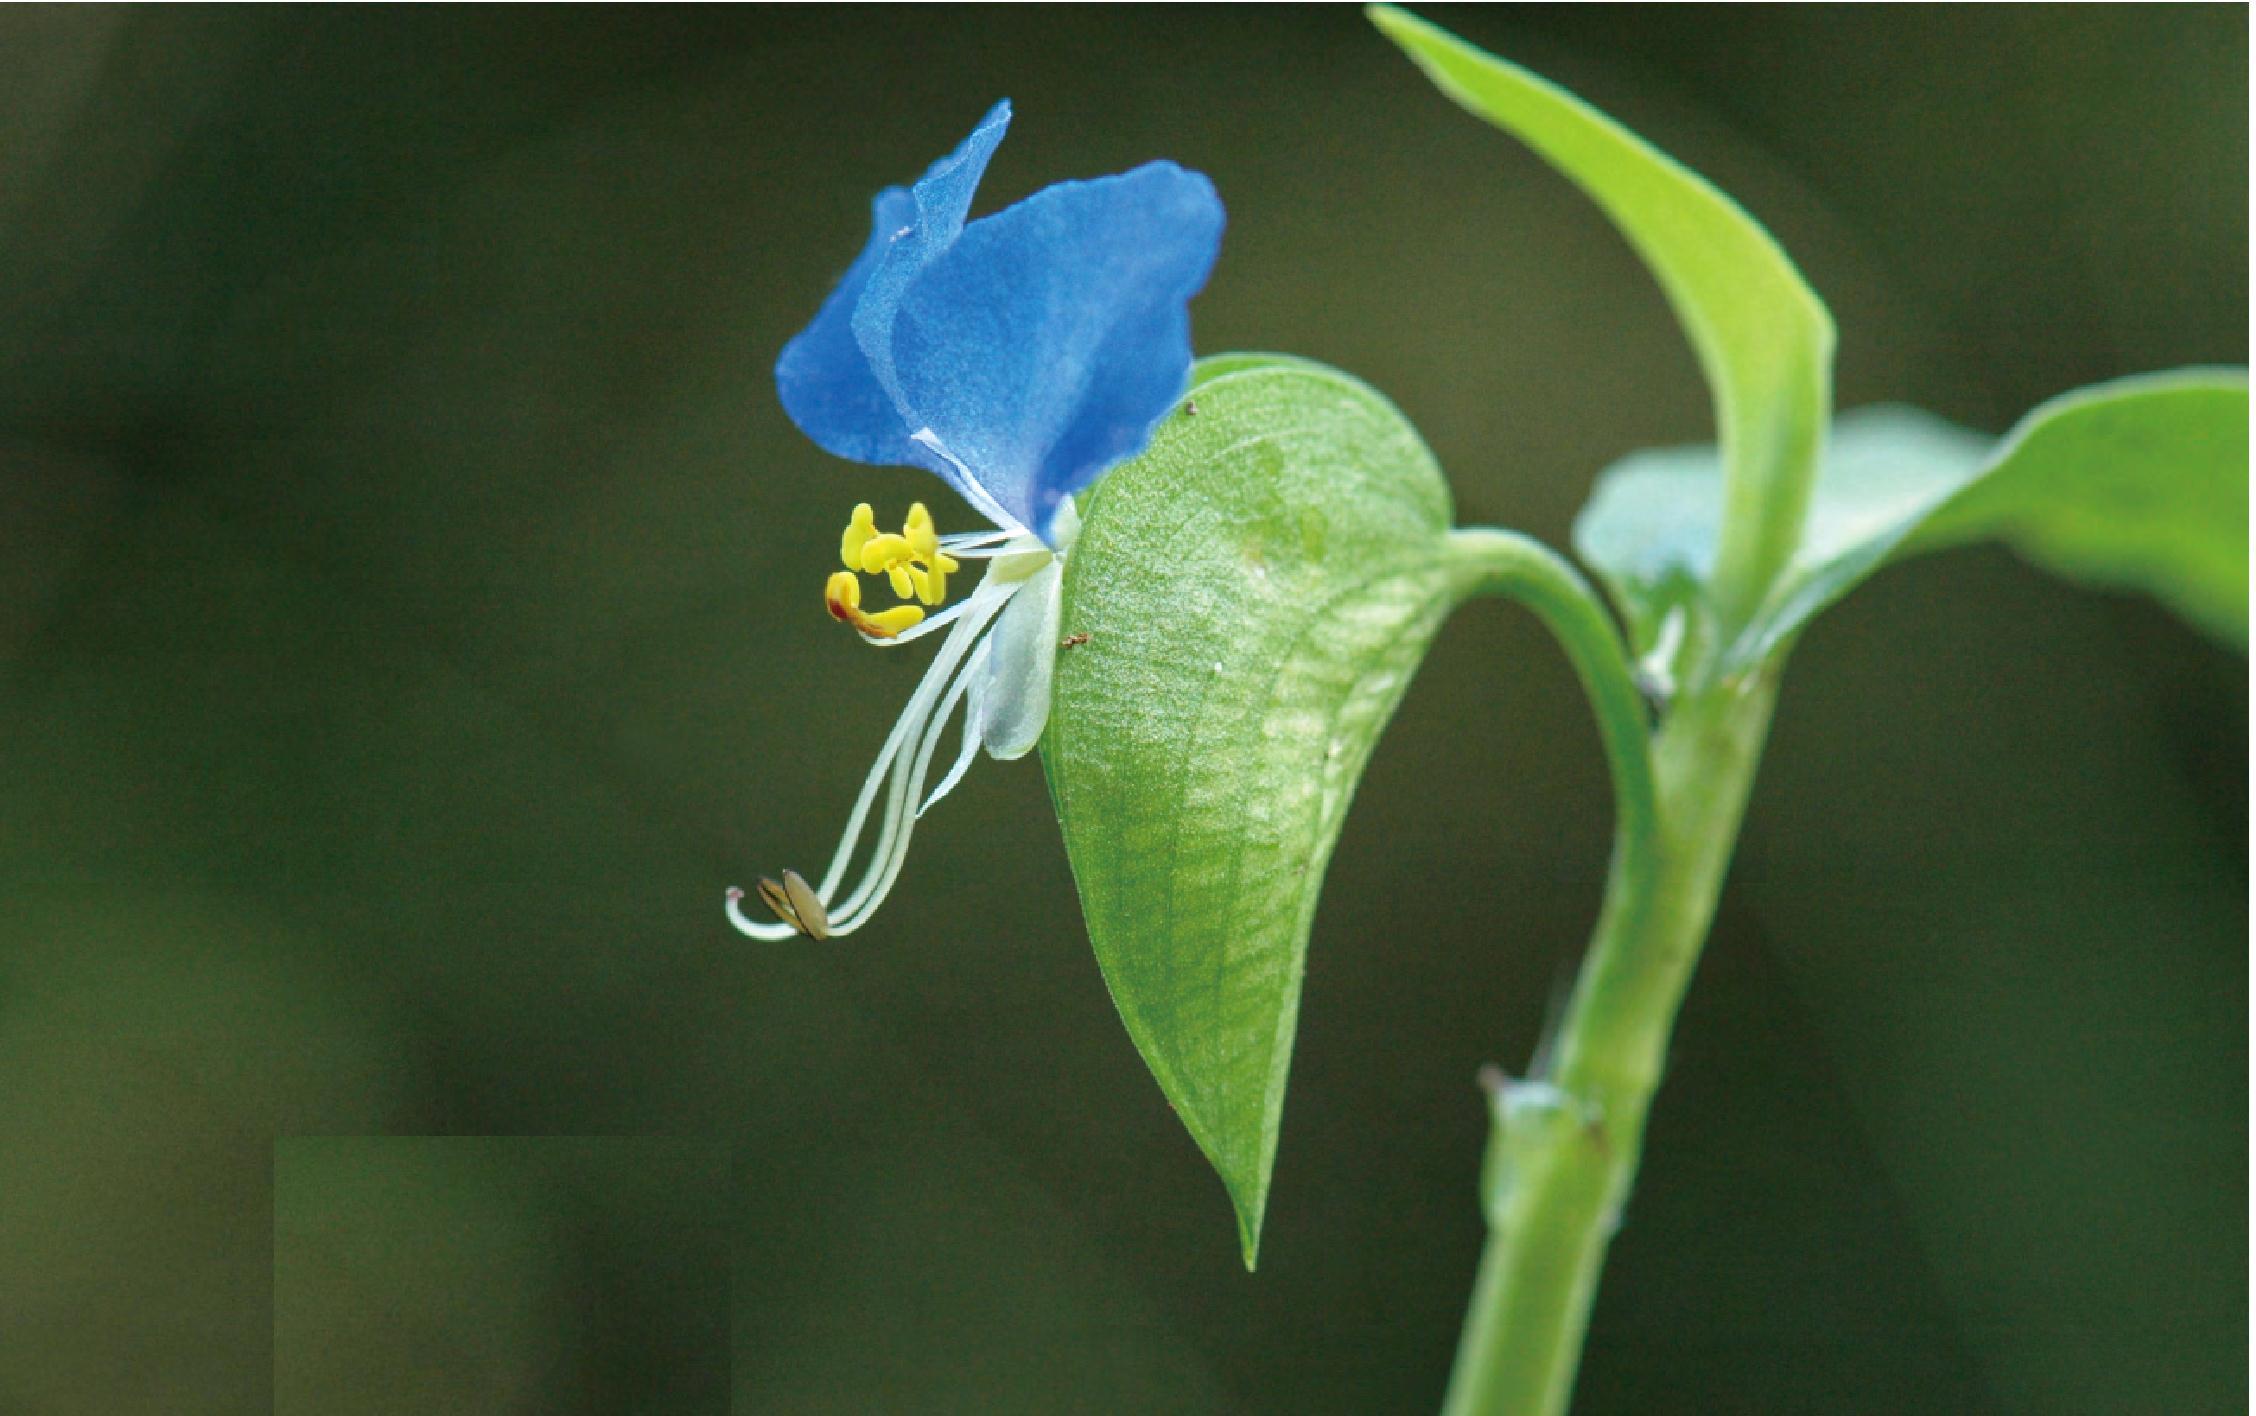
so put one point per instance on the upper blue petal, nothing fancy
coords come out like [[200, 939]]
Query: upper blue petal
[[836, 377], [1044, 345], [825, 380], [942, 198]]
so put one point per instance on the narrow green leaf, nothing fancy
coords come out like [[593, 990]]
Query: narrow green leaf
[[1763, 338], [2140, 484], [1255, 592]]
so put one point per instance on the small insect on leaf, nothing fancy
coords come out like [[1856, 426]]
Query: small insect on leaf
[[1074, 641], [796, 904]]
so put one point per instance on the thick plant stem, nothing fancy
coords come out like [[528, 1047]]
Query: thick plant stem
[[1564, 1150]]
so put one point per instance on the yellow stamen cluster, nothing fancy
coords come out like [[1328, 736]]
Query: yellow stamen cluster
[[911, 559]]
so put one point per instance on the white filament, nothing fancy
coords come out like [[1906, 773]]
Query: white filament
[[1658, 667], [981, 553], [959, 540], [885, 867], [980, 675], [946, 681], [755, 928], [967, 484]]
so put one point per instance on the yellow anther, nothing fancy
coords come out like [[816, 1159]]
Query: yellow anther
[[899, 573], [858, 533], [891, 622], [884, 551], [918, 532], [924, 542], [843, 596], [931, 585]]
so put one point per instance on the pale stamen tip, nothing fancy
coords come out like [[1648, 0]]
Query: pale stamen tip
[[734, 894]]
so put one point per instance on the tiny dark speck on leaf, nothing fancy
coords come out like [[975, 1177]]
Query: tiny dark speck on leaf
[[1071, 640], [1190, 408]]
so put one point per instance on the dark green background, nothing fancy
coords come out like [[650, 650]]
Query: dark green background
[[409, 624]]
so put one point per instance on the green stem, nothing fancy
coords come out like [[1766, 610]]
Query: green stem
[[1493, 562], [1564, 1149]]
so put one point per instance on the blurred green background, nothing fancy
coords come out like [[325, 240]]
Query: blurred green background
[[408, 625]]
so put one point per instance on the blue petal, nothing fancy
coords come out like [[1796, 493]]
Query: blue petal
[[836, 377], [823, 377], [1044, 345], [942, 199]]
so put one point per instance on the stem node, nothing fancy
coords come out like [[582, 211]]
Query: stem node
[[1563, 1147]]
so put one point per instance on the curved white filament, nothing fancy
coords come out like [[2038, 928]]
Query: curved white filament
[[974, 493], [768, 931], [960, 540], [885, 869], [982, 553], [978, 611], [978, 674], [946, 679]]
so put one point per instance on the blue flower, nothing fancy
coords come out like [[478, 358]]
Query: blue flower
[[1017, 357]]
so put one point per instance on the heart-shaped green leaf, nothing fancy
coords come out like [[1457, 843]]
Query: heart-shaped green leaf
[[1764, 339], [1243, 610], [2141, 483]]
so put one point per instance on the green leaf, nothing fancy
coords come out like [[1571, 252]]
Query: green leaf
[[1215, 366], [1256, 590], [2140, 484], [1763, 338]]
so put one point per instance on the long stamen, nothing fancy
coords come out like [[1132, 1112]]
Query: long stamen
[[889, 825], [974, 727], [900, 816], [982, 606], [768, 931], [877, 886]]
